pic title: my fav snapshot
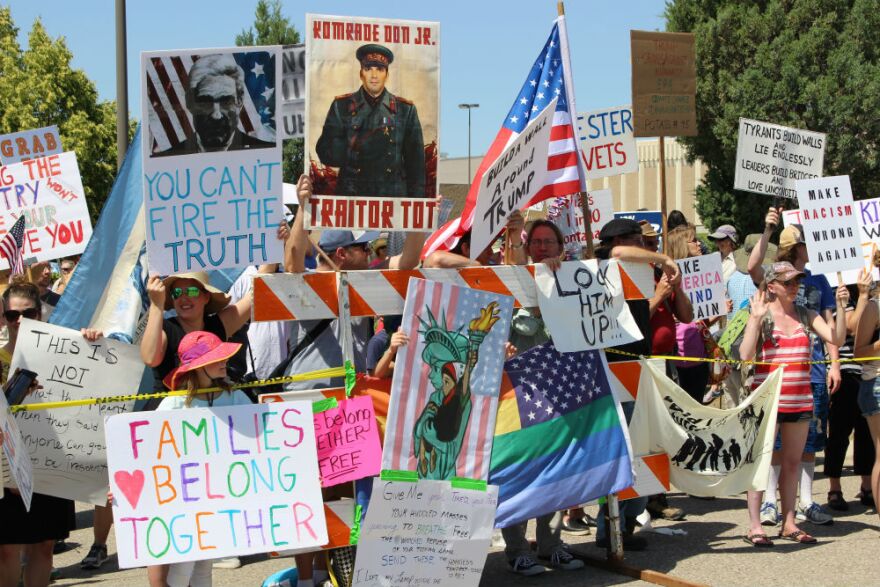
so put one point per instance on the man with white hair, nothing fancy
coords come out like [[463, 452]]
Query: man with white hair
[[215, 96]]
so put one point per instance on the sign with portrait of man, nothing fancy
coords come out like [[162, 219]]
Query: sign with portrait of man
[[212, 158], [372, 119]]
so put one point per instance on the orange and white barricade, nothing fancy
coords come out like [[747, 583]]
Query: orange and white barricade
[[651, 474]]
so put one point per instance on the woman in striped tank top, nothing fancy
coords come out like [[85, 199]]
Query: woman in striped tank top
[[788, 342]]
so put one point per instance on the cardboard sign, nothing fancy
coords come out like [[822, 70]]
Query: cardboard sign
[[425, 533], [608, 143], [444, 394], [357, 151], [16, 454], [654, 217], [347, 438], [770, 157], [512, 180], [831, 228], [30, 144], [702, 281], [583, 306], [568, 214], [664, 83], [66, 444], [869, 226], [204, 483], [293, 92], [395, 214], [48, 191], [212, 158]]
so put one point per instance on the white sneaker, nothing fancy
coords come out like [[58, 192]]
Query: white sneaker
[[769, 514], [526, 565], [814, 514], [232, 562]]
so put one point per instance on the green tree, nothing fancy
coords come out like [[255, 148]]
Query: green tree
[[272, 28], [810, 64], [40, 89]]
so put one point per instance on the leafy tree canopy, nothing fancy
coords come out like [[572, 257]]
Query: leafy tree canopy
[[810, 64]]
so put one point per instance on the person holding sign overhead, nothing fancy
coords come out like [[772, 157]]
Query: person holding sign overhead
[[32, 533]]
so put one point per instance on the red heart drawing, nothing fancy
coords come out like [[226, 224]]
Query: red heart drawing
[[131, 485]]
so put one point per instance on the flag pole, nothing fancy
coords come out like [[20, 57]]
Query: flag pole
[[663, 194], [587, 252]]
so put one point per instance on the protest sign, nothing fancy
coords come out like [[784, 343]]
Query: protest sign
[[424, 533], [444, 393], [512, 180], [831, 228], [348, 442], [48, 192], [394, 214], [212, 158], [66, 444], [568, 214], [664, 84], [293, 91], [701, 280], [654, 217], [16, 454], [770, 157], [868, 217], [592, 291], [30, 144], [372, 115], [712, 452], [608, 143], [233, 480]]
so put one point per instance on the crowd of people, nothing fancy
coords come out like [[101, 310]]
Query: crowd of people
[[197, 336]]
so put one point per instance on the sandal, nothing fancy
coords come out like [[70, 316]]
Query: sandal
[[798, 536], [867, 498], [836, 501], [758, 540]]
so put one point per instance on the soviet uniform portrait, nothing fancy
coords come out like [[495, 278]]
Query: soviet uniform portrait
[[373, 137], [215, 94]]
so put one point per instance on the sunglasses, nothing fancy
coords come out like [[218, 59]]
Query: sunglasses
[[360, 246], [787, 282], [14, 315], [190, 292]]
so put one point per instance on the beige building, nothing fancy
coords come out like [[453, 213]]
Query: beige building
[[631, 191]]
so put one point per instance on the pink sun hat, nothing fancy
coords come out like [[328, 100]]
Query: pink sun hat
[[198, 349]]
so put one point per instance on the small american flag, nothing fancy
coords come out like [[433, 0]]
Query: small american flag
[[550, 384], [12, 247], [452, 307], [166, 82], [549, 78]]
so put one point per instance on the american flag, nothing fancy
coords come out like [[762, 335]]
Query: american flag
[[12, 247], [166, 78], [453, 306], [549, 384], [549, 77]]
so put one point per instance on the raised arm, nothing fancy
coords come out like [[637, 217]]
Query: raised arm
[[412, 250], [771, 221], [298, 244], [865, 317], [748, 346], [154, 342], [833, 334]]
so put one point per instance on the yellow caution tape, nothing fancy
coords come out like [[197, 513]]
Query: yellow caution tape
[[89, 401], [735, 361]]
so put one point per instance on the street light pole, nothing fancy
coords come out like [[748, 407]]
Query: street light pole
[[469, 107], [121, 85]]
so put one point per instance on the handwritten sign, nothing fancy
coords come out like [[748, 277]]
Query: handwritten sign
[[30, 144], [831, 228], [770, 157], [593, 292], [67, 445], [869, 226], [396, 214], [425, 533], [16, 454], [701, 280], [568, 214], [512, 180], [212, 160], [608, 142], [204, 483], [664, 84], [48, 191], [348, 442], [293, 91]]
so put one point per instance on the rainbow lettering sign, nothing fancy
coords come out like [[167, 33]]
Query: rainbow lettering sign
[[204, 483]]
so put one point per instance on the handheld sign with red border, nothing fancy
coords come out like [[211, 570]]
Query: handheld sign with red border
[[831, 228]]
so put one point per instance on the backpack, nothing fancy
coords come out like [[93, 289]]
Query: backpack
[[766, 331]]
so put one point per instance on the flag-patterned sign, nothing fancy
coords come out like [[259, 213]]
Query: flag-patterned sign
[[547, 79], [446, 380]]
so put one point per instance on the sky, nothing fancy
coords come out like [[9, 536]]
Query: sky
[[487, 46]]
